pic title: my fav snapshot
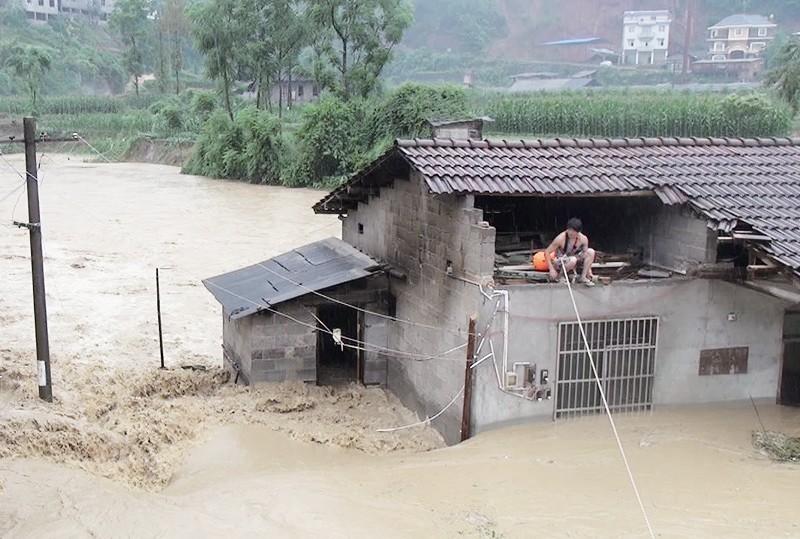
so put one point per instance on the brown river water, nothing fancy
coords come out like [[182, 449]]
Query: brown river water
[[127, 450]]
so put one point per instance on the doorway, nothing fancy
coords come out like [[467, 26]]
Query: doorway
[[338, 364], [790, 373]]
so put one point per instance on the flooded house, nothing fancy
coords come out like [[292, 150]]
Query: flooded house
[[698, 244]]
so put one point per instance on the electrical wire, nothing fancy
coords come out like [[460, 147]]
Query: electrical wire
[[13, 191], [359, 345], [427, 420], [605, 401], [95, 150], [366, 311]]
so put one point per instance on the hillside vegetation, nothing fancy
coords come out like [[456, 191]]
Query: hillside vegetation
[[86, 58]]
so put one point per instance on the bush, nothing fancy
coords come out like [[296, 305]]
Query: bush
[[332, 141], [405, 112], [203, 104], [247, 148]]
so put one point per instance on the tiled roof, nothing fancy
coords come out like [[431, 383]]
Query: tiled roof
[[753, 182], [744, 19]]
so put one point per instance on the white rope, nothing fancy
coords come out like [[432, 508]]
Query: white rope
[[605, 402], [344, 303], [95, 150], [427, 420]]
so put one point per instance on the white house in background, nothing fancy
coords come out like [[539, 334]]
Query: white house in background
[[740, 36], [40, 10], [43, 10], [645, 37]]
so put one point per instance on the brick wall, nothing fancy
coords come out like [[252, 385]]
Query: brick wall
[[283, 349], [269, 347], [272, 348], [418, 233], [679, 240]]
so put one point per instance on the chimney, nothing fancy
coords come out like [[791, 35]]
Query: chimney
[[471, 129]]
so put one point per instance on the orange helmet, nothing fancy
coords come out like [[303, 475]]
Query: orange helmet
[[540, 260]]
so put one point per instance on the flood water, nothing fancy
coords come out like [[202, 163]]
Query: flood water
[[280, 471]]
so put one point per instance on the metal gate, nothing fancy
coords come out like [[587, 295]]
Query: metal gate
[[624, 351]]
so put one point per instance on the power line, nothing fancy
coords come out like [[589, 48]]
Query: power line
[[344, 303], [95, 150], [427, 419], [14, 190], [17, 172], [356, 346]]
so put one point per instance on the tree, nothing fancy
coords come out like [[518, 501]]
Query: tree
[[161, 60], [29, 64], [278, 33], [360, 37], [218, 31], [130, 20], [176, 28], [785, 76]]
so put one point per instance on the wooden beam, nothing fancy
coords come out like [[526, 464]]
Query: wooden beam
[[749, 236], [754, 271]]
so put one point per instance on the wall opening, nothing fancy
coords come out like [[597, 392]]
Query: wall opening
[[337, 364], [619, 225], [790, 374], [624, 352]]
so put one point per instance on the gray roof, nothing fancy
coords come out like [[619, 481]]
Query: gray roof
[[315, 266], [744, 19], [731, 182]]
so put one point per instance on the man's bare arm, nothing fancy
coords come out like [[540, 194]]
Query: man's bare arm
[[557, 242]]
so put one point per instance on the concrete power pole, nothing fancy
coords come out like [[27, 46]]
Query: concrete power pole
[[34, 225]]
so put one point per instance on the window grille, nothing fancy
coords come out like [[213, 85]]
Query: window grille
[[624, 351]]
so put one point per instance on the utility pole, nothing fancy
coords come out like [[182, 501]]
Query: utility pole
[[34, 225], [466, 413]]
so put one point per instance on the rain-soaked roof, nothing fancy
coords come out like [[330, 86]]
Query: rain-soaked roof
[[312, 267]]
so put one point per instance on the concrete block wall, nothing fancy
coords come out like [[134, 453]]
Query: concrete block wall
[[283, 349], [376, 332], [418, 233], [678, 239], [693, 316], [236, 345], [272, 348]]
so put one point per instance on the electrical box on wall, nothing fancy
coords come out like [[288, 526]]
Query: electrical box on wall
[[525, 380]]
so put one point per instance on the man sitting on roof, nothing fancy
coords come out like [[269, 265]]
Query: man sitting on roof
[[571, 248]]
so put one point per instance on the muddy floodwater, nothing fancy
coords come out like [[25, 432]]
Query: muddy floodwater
[[127, 450]]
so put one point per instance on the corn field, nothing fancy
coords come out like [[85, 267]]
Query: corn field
[[131, 123], [78, 104], [631, 114]]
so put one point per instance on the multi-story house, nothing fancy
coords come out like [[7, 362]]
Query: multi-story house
[[41, 10], [645, 37], [740, 36], [736, 44]]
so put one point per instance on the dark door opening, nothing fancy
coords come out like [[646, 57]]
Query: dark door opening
[[337, 364], [790, 375]]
